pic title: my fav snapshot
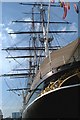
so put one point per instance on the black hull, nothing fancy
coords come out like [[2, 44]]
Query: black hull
[[60, 103]]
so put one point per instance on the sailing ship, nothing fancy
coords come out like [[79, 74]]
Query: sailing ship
[[54, 71]]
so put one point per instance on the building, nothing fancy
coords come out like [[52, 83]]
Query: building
[[1, 115], [16, 115]]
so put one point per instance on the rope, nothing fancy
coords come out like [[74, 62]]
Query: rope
[[10, 88]]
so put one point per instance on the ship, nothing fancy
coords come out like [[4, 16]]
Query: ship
[[54, 71]]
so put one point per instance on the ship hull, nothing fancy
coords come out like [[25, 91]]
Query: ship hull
[[59, 103]]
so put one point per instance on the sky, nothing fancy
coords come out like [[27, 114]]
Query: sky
[[10, 101]]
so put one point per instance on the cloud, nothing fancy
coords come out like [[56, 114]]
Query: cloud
[[27, 25], [2, 25], [2, 37], [73, 26], [10, 23], [0, 40], [3, 32], [11, 30], [27, 19], [5, 40], [64, 29], [37, 26]]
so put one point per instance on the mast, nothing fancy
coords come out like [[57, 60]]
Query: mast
[[34, 57], [46, 40], [34, 33], [42, 10], [34, 38]]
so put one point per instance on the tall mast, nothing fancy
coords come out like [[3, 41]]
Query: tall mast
[[44, 32], [46, 40], [34, 38], [42, 10]]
